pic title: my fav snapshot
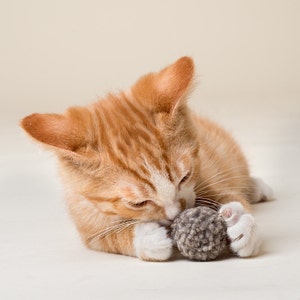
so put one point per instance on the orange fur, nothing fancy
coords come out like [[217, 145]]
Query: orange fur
[[111, 152]]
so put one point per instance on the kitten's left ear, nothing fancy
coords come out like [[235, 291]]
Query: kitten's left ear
[[63, 133], [166, 90]]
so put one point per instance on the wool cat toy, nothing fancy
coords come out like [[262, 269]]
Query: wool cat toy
[[131, 162], [200, 233]]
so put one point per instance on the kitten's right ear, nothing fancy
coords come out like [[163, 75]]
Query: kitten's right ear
[[166, 90], [62, 131]]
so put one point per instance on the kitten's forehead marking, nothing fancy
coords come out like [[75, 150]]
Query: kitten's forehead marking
[[126, 132], [165, 189], [166, 193]]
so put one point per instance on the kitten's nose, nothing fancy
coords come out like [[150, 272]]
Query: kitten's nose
[[173, 211]]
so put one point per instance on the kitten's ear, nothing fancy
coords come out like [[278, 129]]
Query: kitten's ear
[[65, 132], [167, 89]]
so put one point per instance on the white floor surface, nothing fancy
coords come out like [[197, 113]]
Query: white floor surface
[[43, 258]]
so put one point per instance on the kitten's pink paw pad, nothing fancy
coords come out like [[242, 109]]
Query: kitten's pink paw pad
[[242, 230], [151, 242], [226, 213], [231, 212]]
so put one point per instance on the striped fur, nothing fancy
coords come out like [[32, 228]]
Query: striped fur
[[140, 156]]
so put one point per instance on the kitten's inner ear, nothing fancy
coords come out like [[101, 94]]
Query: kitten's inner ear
[[64, 132], [166, 90]]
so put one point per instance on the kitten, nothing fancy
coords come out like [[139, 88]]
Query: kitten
[[131, 162]]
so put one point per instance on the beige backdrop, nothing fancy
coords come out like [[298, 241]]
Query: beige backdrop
[[57, 53]]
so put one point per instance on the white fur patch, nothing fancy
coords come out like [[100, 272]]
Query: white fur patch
[[262, 191], [242, 229], [166, 194], [165, 189], [151, 242]]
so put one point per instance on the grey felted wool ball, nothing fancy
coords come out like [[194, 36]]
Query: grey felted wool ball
[[200, 233]]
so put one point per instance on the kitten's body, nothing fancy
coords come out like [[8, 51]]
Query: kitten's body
[[132, 162]]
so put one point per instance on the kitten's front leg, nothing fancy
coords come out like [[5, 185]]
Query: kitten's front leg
[[151, 242], [148, 241], [242, 229]]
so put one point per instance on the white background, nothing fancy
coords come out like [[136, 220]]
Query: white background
[[54, 54]]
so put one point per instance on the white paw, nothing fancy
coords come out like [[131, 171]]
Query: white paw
[[151, 242], [242, 229]]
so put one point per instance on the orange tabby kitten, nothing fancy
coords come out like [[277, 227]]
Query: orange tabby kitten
[[131, 162]]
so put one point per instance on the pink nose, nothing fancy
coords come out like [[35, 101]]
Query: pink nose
[[173, 211]]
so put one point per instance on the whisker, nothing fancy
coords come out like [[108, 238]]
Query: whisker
[[220, 173], [216, 208], [228, 190], [204, 198], [126, 226], [105, 231], [223, 194], [115, 228], [223, 180], [242, 188], [208, 202]]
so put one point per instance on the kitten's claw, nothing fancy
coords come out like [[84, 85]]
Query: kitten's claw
[[151, 242], [242, 229]]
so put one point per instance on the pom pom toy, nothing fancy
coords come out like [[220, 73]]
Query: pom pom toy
[[200, 233]]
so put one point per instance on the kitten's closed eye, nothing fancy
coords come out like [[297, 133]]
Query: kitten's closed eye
[[139, 204], [185, 178]]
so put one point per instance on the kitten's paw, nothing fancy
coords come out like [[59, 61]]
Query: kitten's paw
[[242, 229], [151, 242]]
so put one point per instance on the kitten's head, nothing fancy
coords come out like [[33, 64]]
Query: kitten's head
[[132, 154]]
